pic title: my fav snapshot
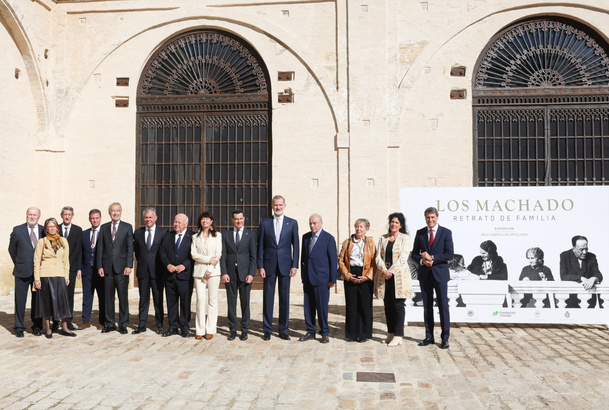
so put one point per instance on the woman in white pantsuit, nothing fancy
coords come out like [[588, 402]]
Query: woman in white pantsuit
[[206, 250]]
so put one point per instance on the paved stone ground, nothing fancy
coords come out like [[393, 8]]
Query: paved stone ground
[[487, 366]]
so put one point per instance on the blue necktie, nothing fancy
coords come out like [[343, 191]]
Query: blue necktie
[[178, 242]]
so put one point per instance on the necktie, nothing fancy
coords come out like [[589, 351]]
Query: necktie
[[312, 244], [149, 239], [430, 238], [92, 244], [277, 229], [65, 231], [33, 237], [178, 242], [237, 239], [113, 231]]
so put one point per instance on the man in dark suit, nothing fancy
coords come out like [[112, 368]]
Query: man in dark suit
[[277, 258], [433, 248], [73, 233], [579, 265], [238, 267], [319, 269], [91, 281], [115, 261], [175, 257], [21, 248], [150, 271]]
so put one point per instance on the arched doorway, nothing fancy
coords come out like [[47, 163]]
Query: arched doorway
[[204, 135], [541, 106]]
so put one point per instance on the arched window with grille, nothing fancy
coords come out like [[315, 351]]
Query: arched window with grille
[[203, 139], [541, 106]]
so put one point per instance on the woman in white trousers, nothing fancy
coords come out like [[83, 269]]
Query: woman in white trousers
[[206, 250]]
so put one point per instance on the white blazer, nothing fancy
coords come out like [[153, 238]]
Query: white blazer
[[202, 252]]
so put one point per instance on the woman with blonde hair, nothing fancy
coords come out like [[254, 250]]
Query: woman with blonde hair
[[356, 264], [51, 278]]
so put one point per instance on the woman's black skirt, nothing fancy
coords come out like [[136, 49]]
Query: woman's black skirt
[[52, 298]]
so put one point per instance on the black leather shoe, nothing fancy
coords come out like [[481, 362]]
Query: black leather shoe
[[64, 333], [362, 340], [427, 341], [48, 335], [243, 336], [71, 326], [139, 330], [444, 344], [170, 333], [108, 329], [267, 336], [284, 336], [232, 336], [55, 326], [160, 331], [37, 332], [122, 330], [307, 337], [185, 333], [325, 339], [19, 333]]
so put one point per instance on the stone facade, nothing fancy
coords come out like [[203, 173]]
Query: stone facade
[[371, 110]]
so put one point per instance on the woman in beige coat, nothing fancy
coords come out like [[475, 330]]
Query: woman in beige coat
[[393, 283], [51, 278], [206, 250]]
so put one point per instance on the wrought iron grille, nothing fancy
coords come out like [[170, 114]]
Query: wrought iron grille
[[541, 107], [204, 134]]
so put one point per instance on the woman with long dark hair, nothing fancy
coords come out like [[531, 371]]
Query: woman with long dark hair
[[206, 250]]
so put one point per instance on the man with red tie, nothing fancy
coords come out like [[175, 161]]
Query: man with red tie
[[433, 248]]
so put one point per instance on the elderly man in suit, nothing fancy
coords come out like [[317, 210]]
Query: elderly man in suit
[[579, 265], [319, 269], [150, 272], [73, 233], [175, 257], [91, 281], [115, 261], [433, 248], [277, 258], [21, 248], [238, 267]]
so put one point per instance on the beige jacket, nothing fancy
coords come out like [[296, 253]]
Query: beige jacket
[[400, 269], [202, 252], [47, 263]]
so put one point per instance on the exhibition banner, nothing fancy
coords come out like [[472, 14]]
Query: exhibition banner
[[515, 261]]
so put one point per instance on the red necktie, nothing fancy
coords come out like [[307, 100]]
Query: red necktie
[[430, 238]]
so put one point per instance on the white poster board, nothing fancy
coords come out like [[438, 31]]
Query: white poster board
[[516, 219]]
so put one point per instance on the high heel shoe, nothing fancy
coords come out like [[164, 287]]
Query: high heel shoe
[[388, 339], [395, 342]]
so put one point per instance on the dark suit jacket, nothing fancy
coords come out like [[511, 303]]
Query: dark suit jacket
[[169, 256], [244, 256], [442, 252], [570, 270], [283, 254], [75, 241], [21, 250], [87, 254], [321, 266], [148, 262], [116, 255], [498, 271]]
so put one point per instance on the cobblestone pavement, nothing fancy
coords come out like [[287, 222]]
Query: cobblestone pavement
[[487, 366]]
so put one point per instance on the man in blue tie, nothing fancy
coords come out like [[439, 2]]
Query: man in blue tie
[[319, 269]]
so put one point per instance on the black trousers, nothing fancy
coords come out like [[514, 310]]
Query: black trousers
[[234, 287], [22, 285], [145, 285], [358, 304], [178, 303], [120, 283], [395, 312], [71, 294]]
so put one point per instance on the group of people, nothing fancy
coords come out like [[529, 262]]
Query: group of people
[[49, 258]]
